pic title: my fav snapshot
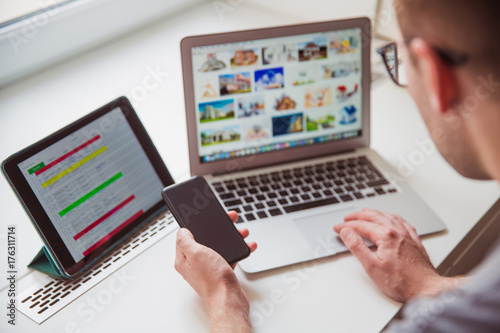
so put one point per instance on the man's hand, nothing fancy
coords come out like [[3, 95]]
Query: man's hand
[[214, 281], [400, 266]]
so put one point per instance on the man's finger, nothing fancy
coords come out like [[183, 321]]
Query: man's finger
[[365, 215], [244, 232], [233, 215], [357, 246], [186, 243], [252, 246], [369, 230], [180, 260]]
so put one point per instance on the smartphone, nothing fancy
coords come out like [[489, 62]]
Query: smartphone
[[195, 207]]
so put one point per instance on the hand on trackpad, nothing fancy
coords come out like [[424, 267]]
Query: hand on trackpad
[[318, 231]]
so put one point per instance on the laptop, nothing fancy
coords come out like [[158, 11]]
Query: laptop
[[89, 186], [278, 123]]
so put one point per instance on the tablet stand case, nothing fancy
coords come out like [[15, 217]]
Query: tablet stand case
[[44, 263]]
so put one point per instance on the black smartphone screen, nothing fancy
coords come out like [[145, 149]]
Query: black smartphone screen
[[196, 208]]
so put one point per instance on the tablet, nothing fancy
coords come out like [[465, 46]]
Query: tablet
[[89, 185]]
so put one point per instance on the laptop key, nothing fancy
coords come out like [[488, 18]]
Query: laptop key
[[252, 190], [271, 203], [316, 195], [346, 197], [249, 217], [259, 205], [377, 183], [305, 197], [249, 199], [230, 203], [283, 193], [247, 208], [240, 219], [241, 193], [295, 191], [392, 190], [219, 189], [225, 196], [317, 187], [294, 199], [231, 187], [236, 209], [262, 214], [260, 197], [379, 191], [272, 195], [311, 204], [283, 201], [358, 195], [264, 189], [327, 192], [275, 212]]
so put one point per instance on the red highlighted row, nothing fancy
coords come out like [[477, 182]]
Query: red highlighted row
[[104, 217], [68, 154], [112, 233]]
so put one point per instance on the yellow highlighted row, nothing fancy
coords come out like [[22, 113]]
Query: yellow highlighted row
[[74, 166]]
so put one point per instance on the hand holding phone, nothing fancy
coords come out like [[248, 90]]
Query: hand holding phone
[[196, 208]]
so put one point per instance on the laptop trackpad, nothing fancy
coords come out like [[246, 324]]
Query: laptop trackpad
[[318, 231]]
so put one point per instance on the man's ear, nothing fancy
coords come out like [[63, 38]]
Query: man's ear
[[436, 74]]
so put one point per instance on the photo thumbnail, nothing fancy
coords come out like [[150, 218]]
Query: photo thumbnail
[[288, 124], [251, 106], [318, 123], [214, 111], [235, 83], [218, 136], [256, 132], [348, 115], [344, 93], [300, 76], [340, 69], [212, 63], [208, 88], [318, 96], [313, 50], [245, 58], [271, 78], [285, 102], [277, 54], [346, 44]]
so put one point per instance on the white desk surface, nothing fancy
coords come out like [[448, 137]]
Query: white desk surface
[[328, 295]]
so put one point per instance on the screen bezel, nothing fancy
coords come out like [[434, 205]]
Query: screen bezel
[[290, 154], [41, 220]]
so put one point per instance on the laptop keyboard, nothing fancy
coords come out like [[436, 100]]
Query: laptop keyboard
[[290, 190]]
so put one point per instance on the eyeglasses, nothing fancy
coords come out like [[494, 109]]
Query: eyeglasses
[[396, 64]]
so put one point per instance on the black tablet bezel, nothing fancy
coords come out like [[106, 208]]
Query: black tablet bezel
[[35, 210]]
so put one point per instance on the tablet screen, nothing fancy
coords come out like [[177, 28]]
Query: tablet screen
[[94, 182]]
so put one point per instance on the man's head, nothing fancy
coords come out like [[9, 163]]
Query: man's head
[[460, 104]]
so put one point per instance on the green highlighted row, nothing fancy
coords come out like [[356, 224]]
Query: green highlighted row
[[89, 195], [36, 168]]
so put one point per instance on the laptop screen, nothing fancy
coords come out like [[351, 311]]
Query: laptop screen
[[94, 182], [265, 95]]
